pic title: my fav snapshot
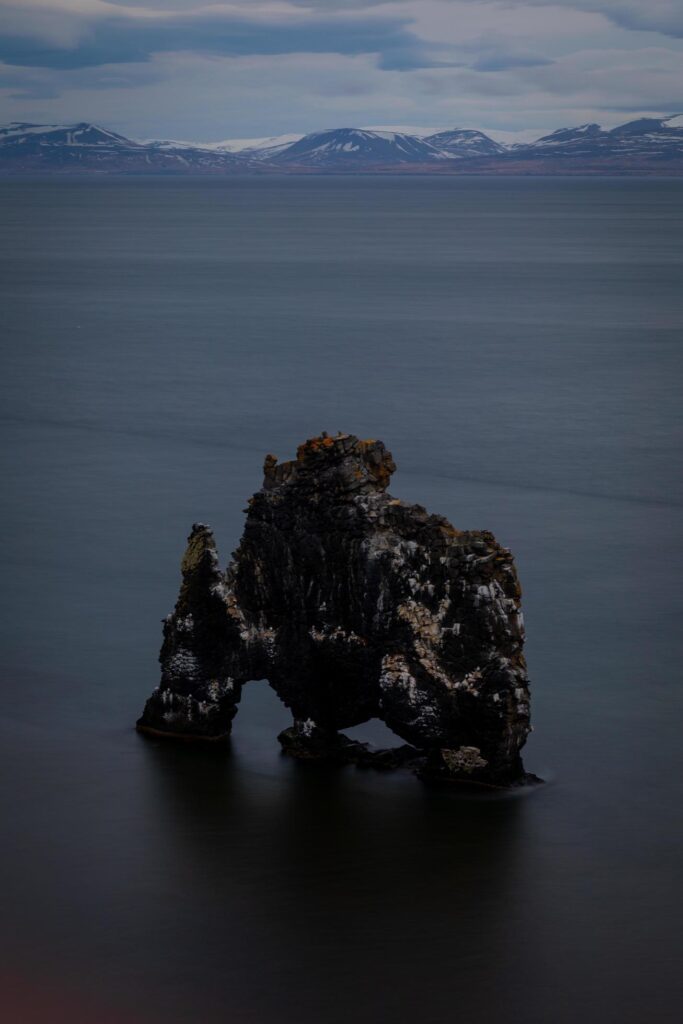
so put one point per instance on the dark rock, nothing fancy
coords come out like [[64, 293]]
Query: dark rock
[[309, 743], [353, 605]]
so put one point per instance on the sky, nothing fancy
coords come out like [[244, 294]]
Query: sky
[[203, 71]]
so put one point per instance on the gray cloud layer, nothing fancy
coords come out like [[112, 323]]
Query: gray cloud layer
[[266, 66], [121, 40]]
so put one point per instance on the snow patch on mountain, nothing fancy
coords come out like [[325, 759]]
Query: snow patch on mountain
[[15, 128], [465, 143], [403, 129], [344, 147], [257, 145], [83, 134]]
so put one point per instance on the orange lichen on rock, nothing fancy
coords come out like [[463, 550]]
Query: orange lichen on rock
[[450, 531], [314, 445]]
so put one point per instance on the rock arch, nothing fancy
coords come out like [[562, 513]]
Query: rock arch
[[354, 605]]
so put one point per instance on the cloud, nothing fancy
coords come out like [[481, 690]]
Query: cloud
[[201, 70], [662, 16], [506, 61], [647, 80], [118, 39]]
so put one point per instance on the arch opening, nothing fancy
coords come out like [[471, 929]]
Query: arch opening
[[375, 732]]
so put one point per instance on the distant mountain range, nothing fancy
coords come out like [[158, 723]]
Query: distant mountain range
[[645, 146]]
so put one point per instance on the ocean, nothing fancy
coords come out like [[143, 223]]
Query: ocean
[[517, 344]]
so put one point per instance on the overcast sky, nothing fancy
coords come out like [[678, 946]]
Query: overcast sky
[[192, 70]]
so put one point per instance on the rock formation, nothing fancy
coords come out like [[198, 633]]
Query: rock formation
[[354, 605]]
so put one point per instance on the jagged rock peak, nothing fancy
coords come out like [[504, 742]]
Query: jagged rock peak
[[339, 463], [354, 605]]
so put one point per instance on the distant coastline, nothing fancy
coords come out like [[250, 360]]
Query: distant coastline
[[647, 146]]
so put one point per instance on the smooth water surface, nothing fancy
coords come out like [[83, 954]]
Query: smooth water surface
[[517, 344]]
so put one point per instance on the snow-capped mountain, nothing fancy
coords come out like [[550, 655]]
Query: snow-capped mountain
[[464, 143], [646, 145], [661, 137], [258, 149], [651, 139], [578, 139], [87, 147], [348, 148], [81, 136]]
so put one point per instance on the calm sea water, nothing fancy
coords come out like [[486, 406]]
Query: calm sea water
[[517, 344]]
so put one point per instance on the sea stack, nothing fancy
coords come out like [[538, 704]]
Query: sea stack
[[353, 605]]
